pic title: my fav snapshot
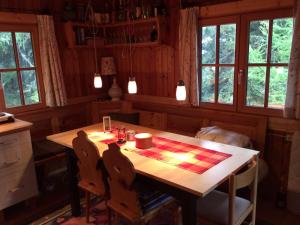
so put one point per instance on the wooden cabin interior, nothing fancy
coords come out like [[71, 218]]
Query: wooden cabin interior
[[149, 112]]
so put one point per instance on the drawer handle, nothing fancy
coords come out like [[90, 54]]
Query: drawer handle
[[8, 164], [14, 190]]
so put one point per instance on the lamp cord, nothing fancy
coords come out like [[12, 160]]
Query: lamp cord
[[90, 16]]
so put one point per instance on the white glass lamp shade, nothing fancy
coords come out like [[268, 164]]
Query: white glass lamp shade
[[180, 91], [132, 87], [97, 81], [108, 66]]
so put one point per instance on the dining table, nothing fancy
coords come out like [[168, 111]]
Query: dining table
[[187, 175]]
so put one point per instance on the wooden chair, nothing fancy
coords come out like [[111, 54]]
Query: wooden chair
[[125, 200], [91, 175], [228, 209]]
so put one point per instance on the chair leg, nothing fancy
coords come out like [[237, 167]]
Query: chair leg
[[178, 216], [87, 198], [108, 210], [117, 219], [1, 217]]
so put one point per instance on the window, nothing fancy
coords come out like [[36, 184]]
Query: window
[[218, 63], [245, 61], [19, 68]]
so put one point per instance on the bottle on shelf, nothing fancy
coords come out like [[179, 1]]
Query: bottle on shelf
[[138, 10], [121, 11], [154, 34], [163, 8], [80, 36], [107, 12]]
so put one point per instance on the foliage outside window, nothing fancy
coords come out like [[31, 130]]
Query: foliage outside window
[[18, 69], [268, 57], [265, 45], [217, 63]]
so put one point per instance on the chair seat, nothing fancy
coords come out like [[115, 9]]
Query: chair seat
[[215, 207], [92, 188]]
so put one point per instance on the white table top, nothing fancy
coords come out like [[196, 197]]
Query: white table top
[[198, 184]]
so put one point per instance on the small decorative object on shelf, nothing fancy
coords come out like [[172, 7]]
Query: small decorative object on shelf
[[138, 10], [163, 8], [69, 12], [154, 34], [80, 12]]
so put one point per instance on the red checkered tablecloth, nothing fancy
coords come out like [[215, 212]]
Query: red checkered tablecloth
[[182, 155]]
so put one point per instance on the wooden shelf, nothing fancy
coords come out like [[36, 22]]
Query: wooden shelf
[[121, 24], [70, 32], [134, 45]]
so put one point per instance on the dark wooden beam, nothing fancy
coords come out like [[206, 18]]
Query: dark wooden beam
[[191, 3]]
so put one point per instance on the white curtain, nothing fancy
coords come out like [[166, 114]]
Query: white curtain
[[188, 29], [51, 65], [293, 190], [292, 102]]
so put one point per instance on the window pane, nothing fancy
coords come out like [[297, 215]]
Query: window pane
[[256, 82], [25, 50], [277, 86], [209, 44], [281, 40], [226, 78], [258, 41], [7, 56], [208, 84], [30, 89], [227, 43], [11, 89]]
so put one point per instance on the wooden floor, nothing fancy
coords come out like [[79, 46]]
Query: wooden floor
[[269, 214]]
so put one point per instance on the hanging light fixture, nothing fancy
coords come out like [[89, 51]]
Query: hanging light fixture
[[97, 81], [132, 86], [180, 91], [90, 16]]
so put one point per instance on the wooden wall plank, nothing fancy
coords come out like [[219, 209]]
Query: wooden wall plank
[[243, 6]]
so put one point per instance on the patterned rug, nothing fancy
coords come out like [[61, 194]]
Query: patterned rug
[[64, 217], [98, 216]]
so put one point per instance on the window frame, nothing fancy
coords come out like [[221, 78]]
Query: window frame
[[217, 22], [38, 71], [243, 61]]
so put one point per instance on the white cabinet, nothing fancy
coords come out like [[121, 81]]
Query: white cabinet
[[17, 173]]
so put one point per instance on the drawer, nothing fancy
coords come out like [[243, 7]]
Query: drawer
[[17, 186], [15, 151]]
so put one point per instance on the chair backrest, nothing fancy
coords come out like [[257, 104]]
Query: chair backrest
[[247, 178], [88, 163], [123, 197]]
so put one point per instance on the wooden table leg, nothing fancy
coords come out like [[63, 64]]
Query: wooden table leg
[[1, 217], [189, 209], [74, 190]]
